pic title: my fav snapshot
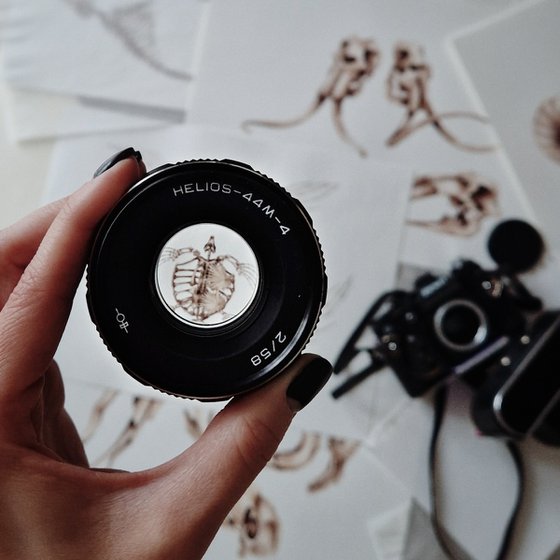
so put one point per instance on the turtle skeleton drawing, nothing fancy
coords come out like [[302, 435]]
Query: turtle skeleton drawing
[[203, 284]]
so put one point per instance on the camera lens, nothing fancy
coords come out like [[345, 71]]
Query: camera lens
[[206, 280], [460, 325]]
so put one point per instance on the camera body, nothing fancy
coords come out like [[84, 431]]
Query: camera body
[[484, 327], [457, 322]]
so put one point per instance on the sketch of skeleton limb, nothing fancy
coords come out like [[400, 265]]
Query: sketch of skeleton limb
[[202, 285], [337, 293], [341, 450], [313, 193], [143, 410], [471, 196], [304, 452], [407, 85], [97, 413], [300, 455], [133, 25], [546, 127], [354, 62], [197, 420], [257, 524]]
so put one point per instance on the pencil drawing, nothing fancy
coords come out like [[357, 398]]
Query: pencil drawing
[[132, 23], [300, 455], [143, 410], [354, 62], [340, 452], [407, 85], [257, 524], [470, 197], [546, 127], [202, 284]]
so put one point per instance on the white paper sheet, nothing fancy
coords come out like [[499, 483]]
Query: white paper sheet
[[317, 492], [280, 56], [477, 480], [141, 53], [512, 62], [32, 115]]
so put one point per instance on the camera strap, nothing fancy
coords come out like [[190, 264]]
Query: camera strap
[[440, 402]]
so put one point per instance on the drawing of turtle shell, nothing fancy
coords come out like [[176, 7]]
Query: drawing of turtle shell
[[201, 287], [546, 127]]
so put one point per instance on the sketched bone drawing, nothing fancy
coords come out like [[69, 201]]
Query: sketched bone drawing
[[300, 455], [202, 285], [143, 410], [354, 62], [340, 452], [133, 25], [471, 196], [546, 127], [257, 524], [97, 413], [407, 85]]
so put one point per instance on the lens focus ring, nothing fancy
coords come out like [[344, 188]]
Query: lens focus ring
[[206, 279]]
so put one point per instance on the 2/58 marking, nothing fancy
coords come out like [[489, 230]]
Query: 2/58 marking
[[268, 351]]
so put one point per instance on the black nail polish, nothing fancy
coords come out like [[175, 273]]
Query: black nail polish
[[308, 383], [120, 156]]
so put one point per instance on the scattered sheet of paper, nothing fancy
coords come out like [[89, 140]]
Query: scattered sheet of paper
[[406, 533], [477, 479], [351, 89], [512, 62], [317, 492], [120, 52], [32, 115]]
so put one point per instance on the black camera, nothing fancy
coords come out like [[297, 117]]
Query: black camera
[[483, 326], [206, 280]]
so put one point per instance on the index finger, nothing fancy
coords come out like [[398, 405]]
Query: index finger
[[34, 317], [19, 243]]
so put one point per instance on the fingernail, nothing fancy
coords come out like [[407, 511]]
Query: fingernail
[[120, 156], [312, 378]]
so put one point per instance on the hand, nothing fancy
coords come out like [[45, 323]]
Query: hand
[[52, 504]]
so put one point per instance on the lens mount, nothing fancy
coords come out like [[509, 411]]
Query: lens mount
[[461, 325], [206, 280]]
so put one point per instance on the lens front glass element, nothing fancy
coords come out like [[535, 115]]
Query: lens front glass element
[[207, 275]]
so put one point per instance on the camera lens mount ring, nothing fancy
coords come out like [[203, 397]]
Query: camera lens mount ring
[[461, 325], [206, 280]]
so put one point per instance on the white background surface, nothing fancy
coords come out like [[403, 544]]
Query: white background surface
[[478, 479]]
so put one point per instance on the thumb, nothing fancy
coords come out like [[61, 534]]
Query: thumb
[[243, 437], [211, 476]]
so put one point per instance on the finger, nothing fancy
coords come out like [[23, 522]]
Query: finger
[[19, 243], [58, 432], [35, 314], [205, 482]]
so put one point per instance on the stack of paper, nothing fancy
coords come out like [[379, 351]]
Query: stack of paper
[[408, 130]]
